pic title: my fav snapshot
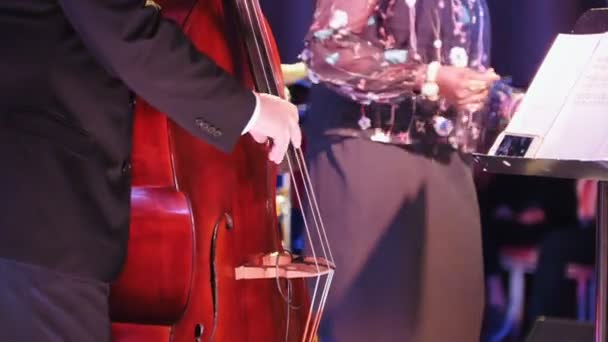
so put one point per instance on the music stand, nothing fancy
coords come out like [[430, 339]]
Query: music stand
[[593, 21]]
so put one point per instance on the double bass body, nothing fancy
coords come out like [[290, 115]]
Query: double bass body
[[199, 216]]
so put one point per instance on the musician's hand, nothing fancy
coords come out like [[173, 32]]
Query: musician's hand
[[465, 88], [278, 120]]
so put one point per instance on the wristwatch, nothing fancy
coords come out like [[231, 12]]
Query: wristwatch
[[430, 89]]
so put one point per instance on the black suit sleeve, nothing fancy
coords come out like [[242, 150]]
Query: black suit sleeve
[[152, 56]]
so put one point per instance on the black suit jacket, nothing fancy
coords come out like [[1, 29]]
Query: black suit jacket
[[67, 68]]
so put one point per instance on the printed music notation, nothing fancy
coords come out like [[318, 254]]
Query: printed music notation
[[593, 87], [567, 103]]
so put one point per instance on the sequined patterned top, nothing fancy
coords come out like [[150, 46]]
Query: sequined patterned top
[[372, 51]]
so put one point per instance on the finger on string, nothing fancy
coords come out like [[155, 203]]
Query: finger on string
[[279, 147], [296, 135]]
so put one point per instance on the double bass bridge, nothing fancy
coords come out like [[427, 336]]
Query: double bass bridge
[[283, 265]]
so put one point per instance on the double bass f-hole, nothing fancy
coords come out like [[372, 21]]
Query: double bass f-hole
[[188, 267], [229, 224]]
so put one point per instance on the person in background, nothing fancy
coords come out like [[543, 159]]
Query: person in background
[[396, 81]]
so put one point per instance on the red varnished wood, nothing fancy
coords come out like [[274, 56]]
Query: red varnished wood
[[155, 283], [150, 158], [183, 189], [140, 332]]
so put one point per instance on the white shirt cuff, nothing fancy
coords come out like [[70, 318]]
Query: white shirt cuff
[[254, 117]]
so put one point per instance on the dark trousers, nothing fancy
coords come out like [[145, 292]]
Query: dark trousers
[[38, 304]]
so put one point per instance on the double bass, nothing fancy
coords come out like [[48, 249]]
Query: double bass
[[205, 260]]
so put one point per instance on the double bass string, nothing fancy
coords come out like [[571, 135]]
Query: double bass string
[[321, 235], [256, 20], [252, 13], [309, 320]]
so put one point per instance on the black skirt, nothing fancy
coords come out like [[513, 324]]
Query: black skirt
[[405, 233], [38, 304]]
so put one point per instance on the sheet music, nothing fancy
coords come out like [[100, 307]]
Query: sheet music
[[552, 83], [581, 129], [567, 102]]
